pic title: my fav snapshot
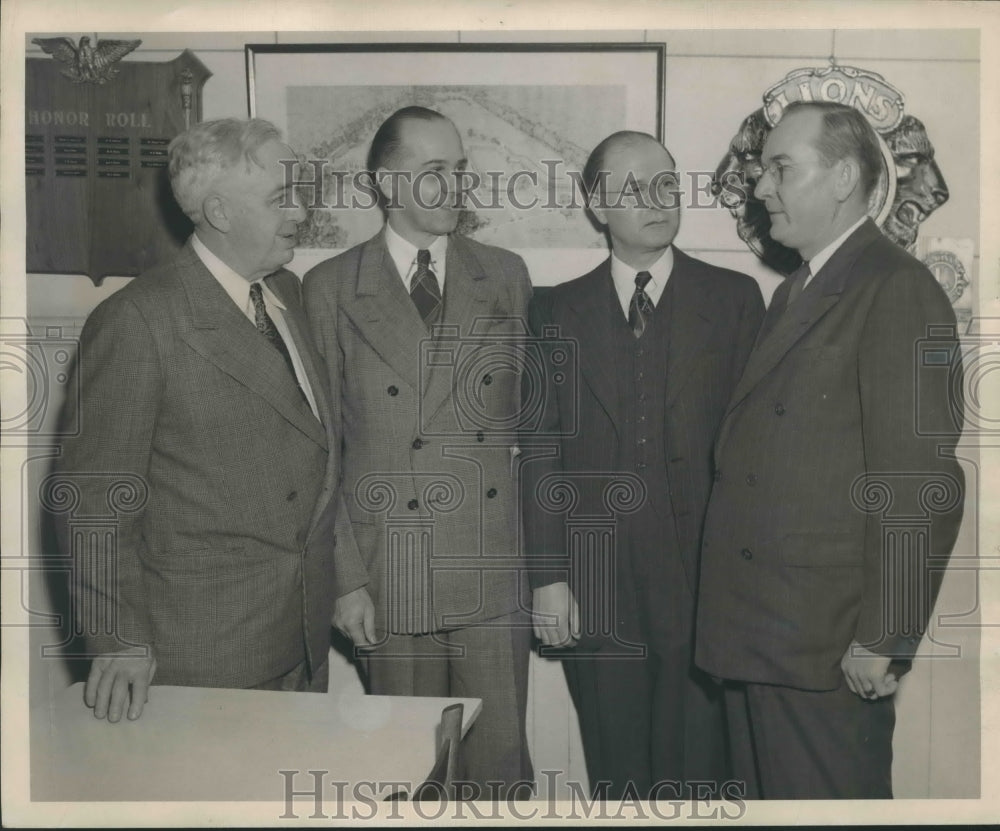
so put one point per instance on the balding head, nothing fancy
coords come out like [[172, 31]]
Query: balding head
[[622, 140]]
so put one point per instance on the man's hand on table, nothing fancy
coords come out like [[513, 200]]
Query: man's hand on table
[[119, 680]]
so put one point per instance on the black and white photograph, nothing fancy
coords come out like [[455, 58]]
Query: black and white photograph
[[556, 413]]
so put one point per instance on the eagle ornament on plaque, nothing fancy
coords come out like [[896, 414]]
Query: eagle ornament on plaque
[[910, 186], [97, 195]]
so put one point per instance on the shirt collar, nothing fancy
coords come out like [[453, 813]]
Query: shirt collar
[[821, 259], [404, 254], [235, 285], [624, 274]]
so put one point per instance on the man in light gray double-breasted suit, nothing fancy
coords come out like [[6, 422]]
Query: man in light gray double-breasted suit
[[420, 330]]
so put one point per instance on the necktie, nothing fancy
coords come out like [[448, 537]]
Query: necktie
[[267, 328], [424, 289], [640, 307], [798, 278], [797, 281]]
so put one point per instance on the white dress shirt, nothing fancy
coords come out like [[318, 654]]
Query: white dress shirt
[[238, 289], [404, 256], [624, 278]]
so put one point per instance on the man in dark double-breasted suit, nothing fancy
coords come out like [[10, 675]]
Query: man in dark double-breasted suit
[[838, 497], [420, 330], [617, 471]]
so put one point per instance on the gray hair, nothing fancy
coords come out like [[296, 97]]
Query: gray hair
[[199, 155]]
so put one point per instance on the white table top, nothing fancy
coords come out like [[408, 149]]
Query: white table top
[[193, 743]]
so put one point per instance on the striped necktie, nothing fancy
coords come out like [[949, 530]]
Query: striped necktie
[[424, 289]]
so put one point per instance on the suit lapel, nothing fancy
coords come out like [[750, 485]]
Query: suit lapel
[[593, 308], [298, 328], [690, 324], [790, 327], [466, 300], [384, 313], [820, 296], [222, 334]]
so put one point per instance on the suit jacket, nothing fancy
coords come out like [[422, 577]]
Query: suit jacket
[[838, 498], [428, 430], [715, 316], [225, 548]]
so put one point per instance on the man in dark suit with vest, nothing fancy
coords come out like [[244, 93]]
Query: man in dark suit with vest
[[810, 604], [428, 486], [660, 339]]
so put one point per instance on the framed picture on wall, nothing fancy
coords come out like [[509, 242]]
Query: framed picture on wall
[[528, 115]]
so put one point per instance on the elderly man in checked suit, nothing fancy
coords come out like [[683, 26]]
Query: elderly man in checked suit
[[419, 328], [201, 388]]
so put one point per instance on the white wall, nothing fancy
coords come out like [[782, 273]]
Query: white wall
[[714, 78]]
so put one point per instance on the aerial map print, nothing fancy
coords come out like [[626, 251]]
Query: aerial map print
[[505, 129]]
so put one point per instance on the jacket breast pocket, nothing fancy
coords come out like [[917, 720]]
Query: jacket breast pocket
[[820, 354], [818, 550]]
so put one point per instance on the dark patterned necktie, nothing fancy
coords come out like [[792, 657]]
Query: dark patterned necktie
[[267, 328], [640, 307], [798, 278], [796, 283], [424, 289]]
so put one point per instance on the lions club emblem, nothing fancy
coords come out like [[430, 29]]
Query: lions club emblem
[[910, 186]]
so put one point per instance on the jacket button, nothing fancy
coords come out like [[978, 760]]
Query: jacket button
[[717, 475], [491, 493], [480, 436], [417, 444], [393, 390], [746, 554], [413, 504], [779, 409], [751, 479], [487, 379]]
